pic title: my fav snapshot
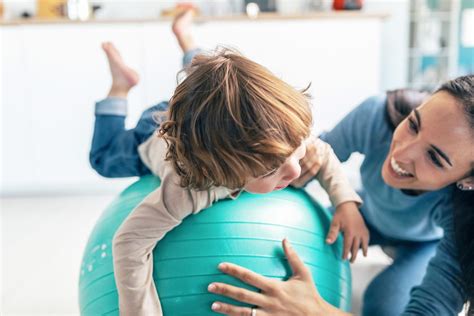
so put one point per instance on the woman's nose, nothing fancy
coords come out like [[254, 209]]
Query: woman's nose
[[407, 151]]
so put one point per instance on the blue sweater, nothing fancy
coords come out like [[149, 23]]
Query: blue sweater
[[400, 216]]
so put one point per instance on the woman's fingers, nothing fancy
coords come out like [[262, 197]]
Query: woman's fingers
[[238, 294], [296, 264], [246, 276], [231, 310]]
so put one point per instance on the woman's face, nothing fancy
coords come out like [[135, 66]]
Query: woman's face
[[432, 148]]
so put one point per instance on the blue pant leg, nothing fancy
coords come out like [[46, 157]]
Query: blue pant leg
[[188, 56], [389, 292], [114, 150]]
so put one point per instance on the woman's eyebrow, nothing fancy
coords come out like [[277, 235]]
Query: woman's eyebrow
[[442, 154], [418, 118], [439, 151]]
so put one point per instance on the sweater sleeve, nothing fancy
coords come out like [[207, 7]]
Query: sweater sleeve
[[331, 176], [136, 238], [441, 291], [358, 129]]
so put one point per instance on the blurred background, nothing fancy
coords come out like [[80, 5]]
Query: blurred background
[[52, 71]]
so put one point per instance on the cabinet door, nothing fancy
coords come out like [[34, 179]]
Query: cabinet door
[[16, 121], [339, 57], [54, 75]]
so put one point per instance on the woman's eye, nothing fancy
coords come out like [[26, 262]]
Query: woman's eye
[[412, 125], [434, 159]]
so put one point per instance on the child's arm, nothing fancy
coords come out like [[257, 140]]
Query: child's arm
[[347, 217], [135, 240], [349, 220]]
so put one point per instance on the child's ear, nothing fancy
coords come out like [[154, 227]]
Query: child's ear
[[466, 184]]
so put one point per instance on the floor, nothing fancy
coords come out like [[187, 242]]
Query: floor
[[42, 243]]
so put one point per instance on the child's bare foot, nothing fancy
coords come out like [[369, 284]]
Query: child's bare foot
[[124, 78], [182, 25]]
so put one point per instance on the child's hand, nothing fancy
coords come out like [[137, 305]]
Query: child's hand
[[310, 165], [348, 219]]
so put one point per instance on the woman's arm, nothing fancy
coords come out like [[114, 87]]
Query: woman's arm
[[297, 296], [360, 129], [441, 291], [356, 132]]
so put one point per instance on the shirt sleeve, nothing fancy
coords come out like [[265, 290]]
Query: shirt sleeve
[[357, 130], [136, 238], [331, 176], [153, 154], [441, 291]]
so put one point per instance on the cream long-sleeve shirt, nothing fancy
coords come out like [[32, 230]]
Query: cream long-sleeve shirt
[[166, 207]]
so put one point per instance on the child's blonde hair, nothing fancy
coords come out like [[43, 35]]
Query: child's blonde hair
[[231, 119]]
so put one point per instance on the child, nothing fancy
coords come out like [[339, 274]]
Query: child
[[230, 126]]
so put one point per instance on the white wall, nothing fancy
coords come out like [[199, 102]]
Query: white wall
[[395, 42], [1, 177], [52, 74]]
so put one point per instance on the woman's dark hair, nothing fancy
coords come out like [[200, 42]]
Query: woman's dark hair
[[399, 105], [462, 89], [401, 102], [463, 227]]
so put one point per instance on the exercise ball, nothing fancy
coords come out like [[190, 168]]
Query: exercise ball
[[247, 231]]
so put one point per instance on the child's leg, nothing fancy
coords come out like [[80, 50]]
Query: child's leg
[[182, 29], [114, 149], [124, 78]]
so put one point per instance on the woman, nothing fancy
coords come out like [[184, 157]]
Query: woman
[[418, 183]]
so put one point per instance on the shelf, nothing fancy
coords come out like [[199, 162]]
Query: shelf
[[230, 18], [417, 53], [424, 17]]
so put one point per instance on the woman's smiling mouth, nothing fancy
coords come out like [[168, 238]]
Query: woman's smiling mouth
[[395, 167]]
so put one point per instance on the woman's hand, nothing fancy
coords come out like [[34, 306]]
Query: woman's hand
[[297, 296], [310, 165]]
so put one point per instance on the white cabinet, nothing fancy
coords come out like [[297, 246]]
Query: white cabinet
[[51, 75]]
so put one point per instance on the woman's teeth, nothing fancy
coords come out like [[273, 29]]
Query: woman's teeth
[[399, 170]]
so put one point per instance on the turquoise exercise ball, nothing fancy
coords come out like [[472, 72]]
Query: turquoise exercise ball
[[246, 231]]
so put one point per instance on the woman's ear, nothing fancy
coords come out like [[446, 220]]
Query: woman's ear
[[466, 184]]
